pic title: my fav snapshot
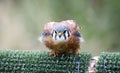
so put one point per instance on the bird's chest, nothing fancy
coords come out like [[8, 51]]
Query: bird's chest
[[60, 47], [71, 43]]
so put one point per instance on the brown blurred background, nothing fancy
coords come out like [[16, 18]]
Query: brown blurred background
[[21, 22]]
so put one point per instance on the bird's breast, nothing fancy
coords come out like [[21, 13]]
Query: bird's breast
[[71, 43]]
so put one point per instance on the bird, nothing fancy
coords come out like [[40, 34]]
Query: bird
[[61, 37]]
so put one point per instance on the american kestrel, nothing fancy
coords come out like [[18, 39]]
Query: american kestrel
[[61, 37]]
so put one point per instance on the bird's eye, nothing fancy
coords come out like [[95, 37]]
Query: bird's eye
[[55, 32], [65, 31]]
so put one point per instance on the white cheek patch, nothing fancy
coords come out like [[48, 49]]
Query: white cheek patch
[[67, 34], [54, 35]]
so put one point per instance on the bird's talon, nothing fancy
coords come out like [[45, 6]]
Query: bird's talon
[[53, 53], [77, 52]]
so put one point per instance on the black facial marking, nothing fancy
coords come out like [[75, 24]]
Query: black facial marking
[[45, 34], [55, 32], [65, 31], [55, 35], [77, 34], [52, 34], [64, 36], [68, 34]]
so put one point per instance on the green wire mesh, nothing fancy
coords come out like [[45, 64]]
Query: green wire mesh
[[40, 62], [108, 63]]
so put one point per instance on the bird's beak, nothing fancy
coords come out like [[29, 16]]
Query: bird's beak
[[60, 33]]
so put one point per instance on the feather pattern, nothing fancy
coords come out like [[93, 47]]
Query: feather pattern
[[72, 37], [68, 23]]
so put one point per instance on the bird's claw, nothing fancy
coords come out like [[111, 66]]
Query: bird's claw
[[53, 53]]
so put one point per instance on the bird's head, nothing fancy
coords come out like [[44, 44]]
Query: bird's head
[[60, 33]]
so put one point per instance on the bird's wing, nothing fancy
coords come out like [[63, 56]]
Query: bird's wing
[[46, 31]]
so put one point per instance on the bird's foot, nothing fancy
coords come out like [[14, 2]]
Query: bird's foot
[[76, 52], [53, 53]]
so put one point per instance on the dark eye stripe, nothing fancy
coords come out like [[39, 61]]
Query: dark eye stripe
[[55, 35], [65, 36], [77, 34], [68, 34]]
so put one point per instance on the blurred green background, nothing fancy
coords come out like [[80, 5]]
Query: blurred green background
[[21, 22]]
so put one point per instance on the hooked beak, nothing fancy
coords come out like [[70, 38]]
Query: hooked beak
[[60, 33]]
